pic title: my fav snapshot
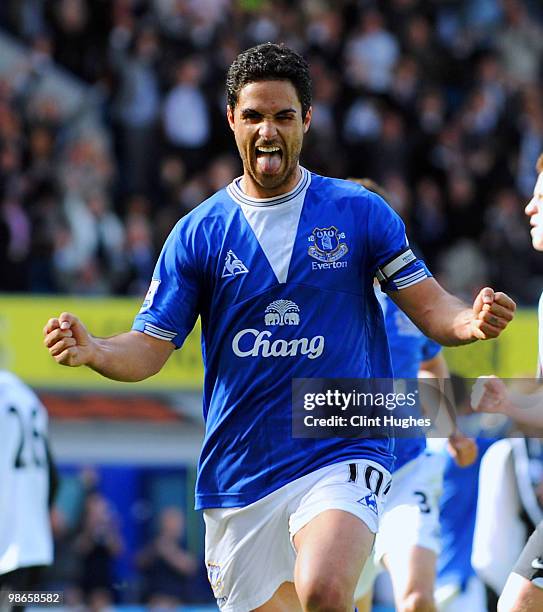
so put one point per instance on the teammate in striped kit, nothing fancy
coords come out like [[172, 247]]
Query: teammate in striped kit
[[279, 266]]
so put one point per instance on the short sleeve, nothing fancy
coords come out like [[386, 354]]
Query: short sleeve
[[394, 263], [170, 308]]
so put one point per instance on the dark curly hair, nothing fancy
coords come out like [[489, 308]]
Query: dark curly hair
[[269, 62]]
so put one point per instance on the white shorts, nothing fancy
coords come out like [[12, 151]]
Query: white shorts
[[411, 516], [249, 551]]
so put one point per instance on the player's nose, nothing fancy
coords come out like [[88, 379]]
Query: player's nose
[[267, 130], [531, 208]]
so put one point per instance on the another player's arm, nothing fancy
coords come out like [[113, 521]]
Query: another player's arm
[[434, 372], [448, 320], [490, 394], [435, 394], [461, 448], [435, 367], [128, 357], [520, 594]]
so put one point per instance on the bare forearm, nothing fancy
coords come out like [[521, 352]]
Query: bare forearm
[[525, 409], [128, 357], [462, 449], [449, 322], [445, 319], [436, 395]]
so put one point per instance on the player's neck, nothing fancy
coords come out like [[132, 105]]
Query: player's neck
[[252, 189]]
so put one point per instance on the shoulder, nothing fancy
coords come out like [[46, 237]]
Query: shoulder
[[346, 192], [339, 187], [217, 207], [212, 214]]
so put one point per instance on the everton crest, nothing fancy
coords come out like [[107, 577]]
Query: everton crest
[[326, 244]]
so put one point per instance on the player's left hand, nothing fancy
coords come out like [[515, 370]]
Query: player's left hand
[[492, 312], [462, 449]]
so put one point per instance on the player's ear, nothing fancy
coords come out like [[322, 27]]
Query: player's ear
[[307, 119], [230, 116]]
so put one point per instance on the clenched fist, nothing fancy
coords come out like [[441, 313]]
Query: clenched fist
[[492, 312], [68, 341]]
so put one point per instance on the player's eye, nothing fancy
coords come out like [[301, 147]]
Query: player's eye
[[251, 116]]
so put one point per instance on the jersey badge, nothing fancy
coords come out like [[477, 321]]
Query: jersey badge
[[214, 576], [326, 245], [233, 265], [370, 502]]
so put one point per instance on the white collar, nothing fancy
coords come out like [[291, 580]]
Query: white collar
[[235, 192]]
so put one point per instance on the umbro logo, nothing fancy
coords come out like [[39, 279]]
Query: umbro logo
[[233, 265]]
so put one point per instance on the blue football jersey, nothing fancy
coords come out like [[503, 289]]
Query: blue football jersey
[[284, 289], [408, 348]]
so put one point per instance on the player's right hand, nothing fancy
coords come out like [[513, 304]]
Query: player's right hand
[[489, 394], [68, 341]]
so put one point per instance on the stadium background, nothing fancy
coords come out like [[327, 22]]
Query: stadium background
[[112, 127]]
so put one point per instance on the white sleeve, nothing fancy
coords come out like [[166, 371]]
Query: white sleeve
[[500, 533]]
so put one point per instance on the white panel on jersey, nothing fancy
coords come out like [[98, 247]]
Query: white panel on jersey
[[274, 222]]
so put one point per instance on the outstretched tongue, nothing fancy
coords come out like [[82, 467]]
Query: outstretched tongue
[[268, 163]]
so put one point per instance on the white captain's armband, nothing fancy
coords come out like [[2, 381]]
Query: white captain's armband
[[399, 262]]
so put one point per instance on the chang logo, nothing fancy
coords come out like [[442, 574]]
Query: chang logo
[[282, 312], [259, 343]]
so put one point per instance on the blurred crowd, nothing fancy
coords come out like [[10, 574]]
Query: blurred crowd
[[439, 100], [89, 544]]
